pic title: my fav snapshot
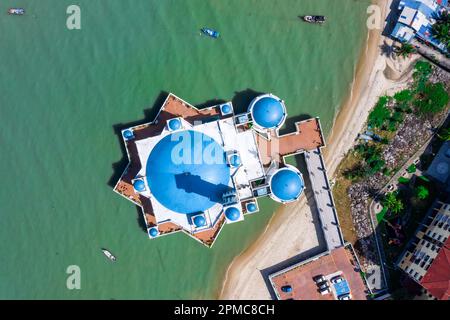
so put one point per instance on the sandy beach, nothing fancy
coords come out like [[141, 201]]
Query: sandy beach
[[292, 232]]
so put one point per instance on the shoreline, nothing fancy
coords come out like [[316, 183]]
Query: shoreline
[[243, 279]]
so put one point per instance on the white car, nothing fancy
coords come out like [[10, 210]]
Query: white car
[[337, 279], [325, 291], [345, 297]]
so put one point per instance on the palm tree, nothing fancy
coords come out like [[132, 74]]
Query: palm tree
[[397, 207], [444, 134], [389, 200], [405, 50], [441, 29]]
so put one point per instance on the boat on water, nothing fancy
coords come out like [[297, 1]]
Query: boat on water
[[314, 19], [210, 32], [16, 11], [109, 255]]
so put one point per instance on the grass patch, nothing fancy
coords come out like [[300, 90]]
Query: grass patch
[[412, 168], [381, 214], [342, 200]]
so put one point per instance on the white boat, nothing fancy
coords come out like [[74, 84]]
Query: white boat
[[16, 11], [314, 19], [109, 255]]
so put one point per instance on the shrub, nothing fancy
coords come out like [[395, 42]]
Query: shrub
[[380, 113], [432, 99], [403, 96]]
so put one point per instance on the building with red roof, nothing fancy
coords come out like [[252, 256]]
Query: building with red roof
[[437, 280], [426, 259]]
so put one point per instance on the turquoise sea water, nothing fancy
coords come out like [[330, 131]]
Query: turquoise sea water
[[65, 93]]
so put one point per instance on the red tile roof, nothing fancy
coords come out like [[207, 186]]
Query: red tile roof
[[437, 278]]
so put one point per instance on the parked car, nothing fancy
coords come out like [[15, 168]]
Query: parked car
[[345, 297], [337, 279], [287, 288], [325, 291], [319, 278], [323, 285]]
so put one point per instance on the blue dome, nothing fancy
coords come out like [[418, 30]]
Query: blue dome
[[187, 172], [286, 185], [153, 232], [235, 160], [174, 124], [128, 134], [199, 221], [268, 112], [139, 185], [232, 213], [251, 207], [226, 108]]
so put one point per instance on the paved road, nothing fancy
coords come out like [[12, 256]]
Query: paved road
[[432, 54]]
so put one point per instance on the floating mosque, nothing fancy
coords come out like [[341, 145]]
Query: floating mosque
[[196, 170]]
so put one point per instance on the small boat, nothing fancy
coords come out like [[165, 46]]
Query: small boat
[[314, 19], [210, 32], [16, 11], [109, 255]]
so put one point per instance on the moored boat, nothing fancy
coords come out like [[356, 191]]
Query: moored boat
[[16, 11], [210, 32], [314, 19], [109, 255]]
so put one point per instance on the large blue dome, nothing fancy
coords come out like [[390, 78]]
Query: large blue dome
[[187, 172], [286, 185], [268, 112]]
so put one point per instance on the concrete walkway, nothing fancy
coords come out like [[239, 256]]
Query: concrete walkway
[[324, 199]]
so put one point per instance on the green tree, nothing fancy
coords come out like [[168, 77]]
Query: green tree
[[405, 50], [397, 207], [356, 172], [403, 96], [432, 99], [389, 199], [422, 72], [422, 192], [380, 113], [441, 29], [392, 202]]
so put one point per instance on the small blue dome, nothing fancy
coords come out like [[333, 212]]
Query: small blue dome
[[268, 112], [235, 160], [174, 124], [199, 221], [251, 207], [232, 213], [139, 185], [286, 185], [153, 232], [226, 108], [128, 134]]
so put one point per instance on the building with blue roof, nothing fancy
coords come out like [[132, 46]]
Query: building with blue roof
[[416, 19], [194, 171]]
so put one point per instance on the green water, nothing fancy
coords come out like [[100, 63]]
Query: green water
[[62, 93]]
